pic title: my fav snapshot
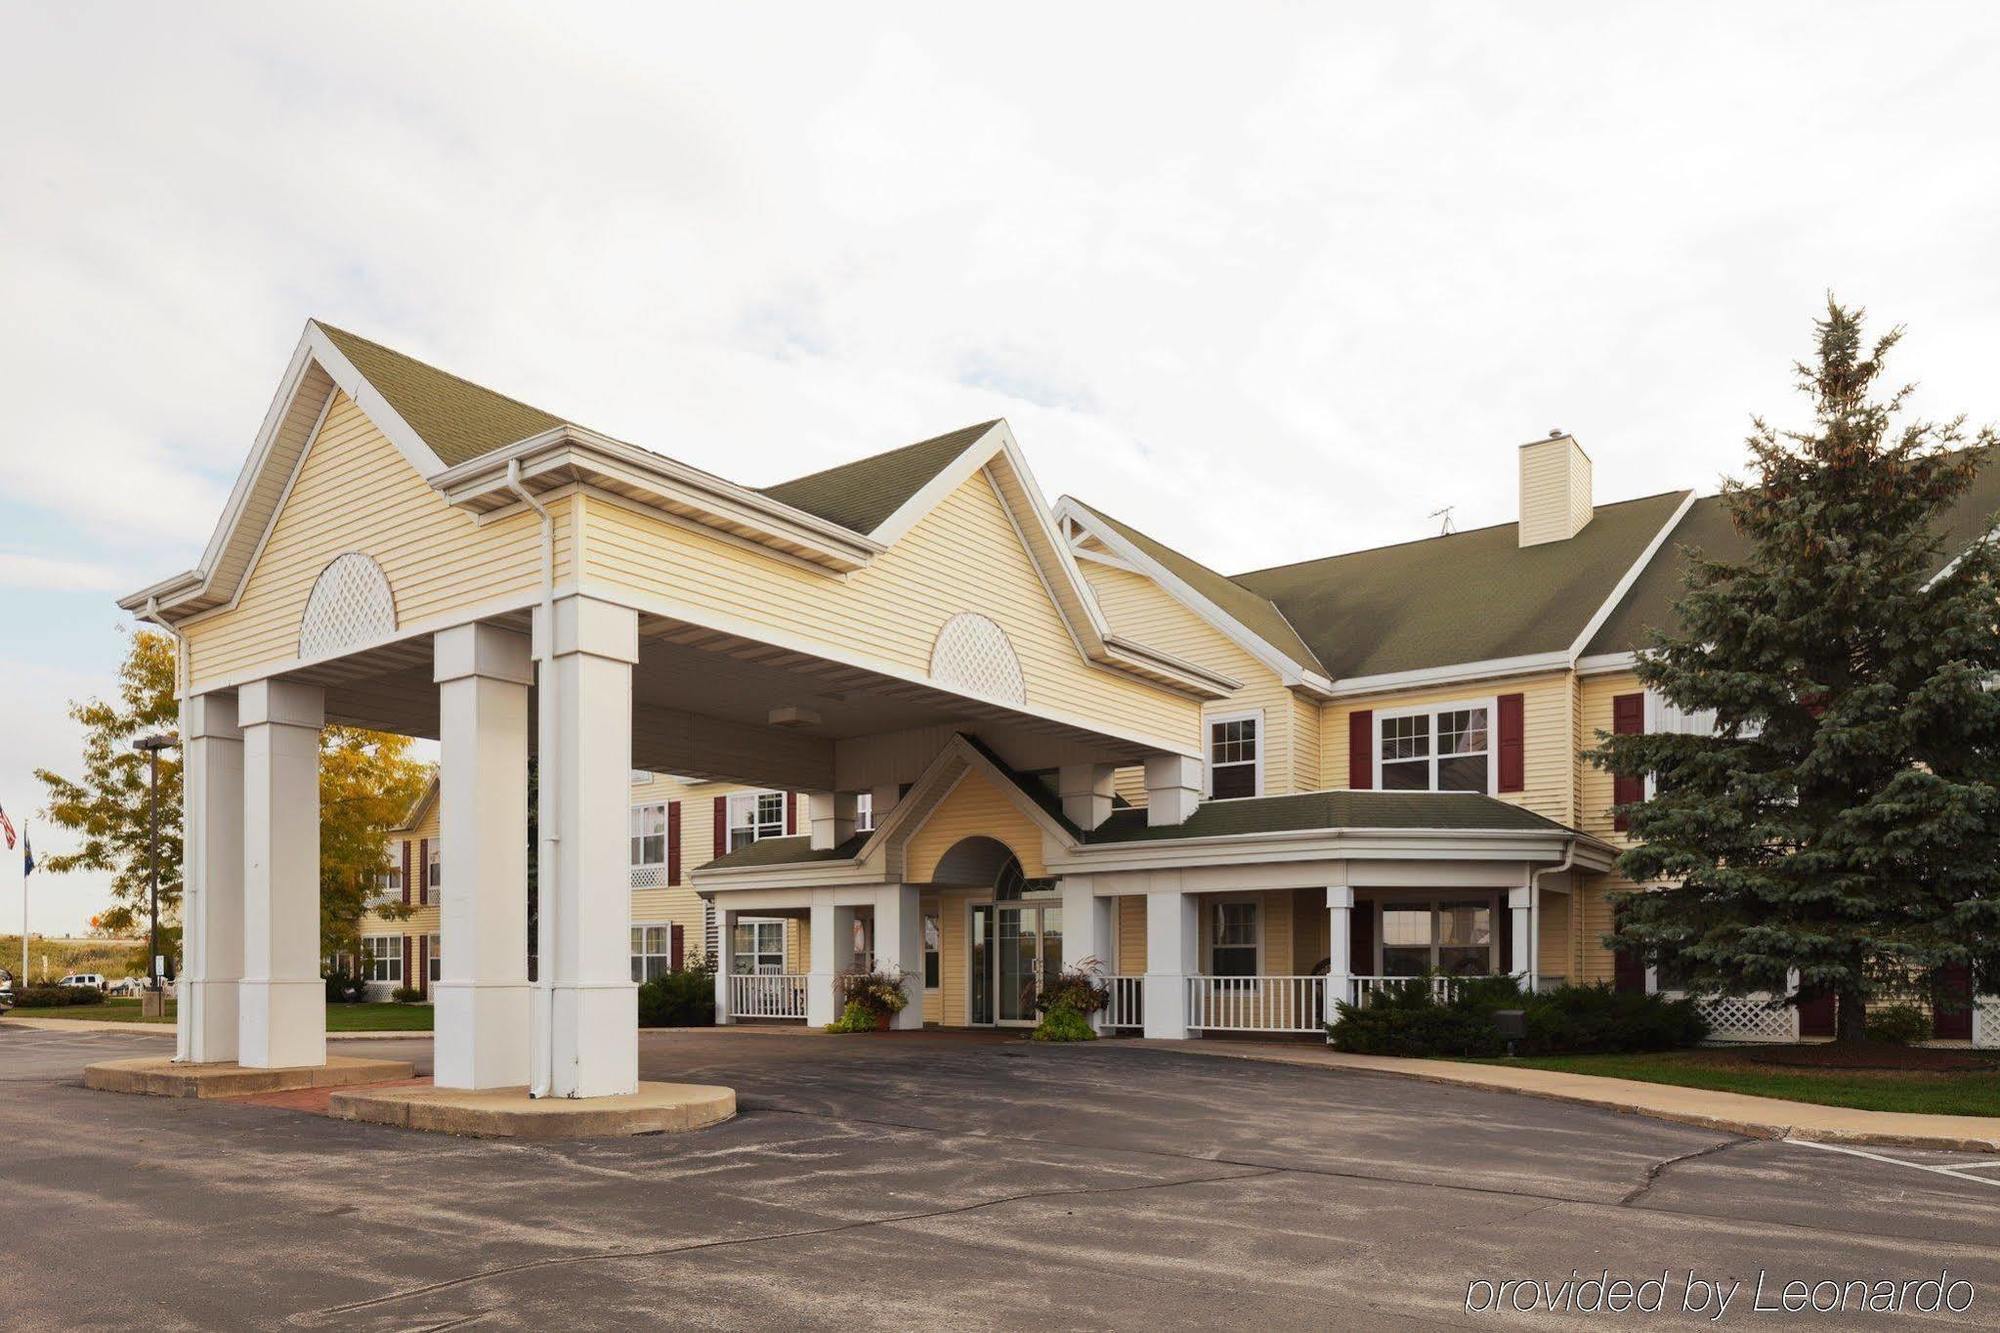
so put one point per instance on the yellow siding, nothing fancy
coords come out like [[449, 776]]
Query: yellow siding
[[963, 556], [1139, 609], [1131, 784], [1549, 733], [953, 965], [677, 903], [355, 492], [1131, 935], [975, 808], [1592, 914], [1554, 945]]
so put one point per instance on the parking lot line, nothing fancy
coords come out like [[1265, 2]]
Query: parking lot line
[[1955, 1170]]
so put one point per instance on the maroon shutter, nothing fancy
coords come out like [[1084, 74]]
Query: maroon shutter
[[409, 960], [1951, 1003], [1819, 1014], [673, 842], [407, 849], [1628, 973], [791, 813], [1361, 749], [1628, 718], [423, 981], [676, 948], [722, 826], [1513, 742], [1361, 940]]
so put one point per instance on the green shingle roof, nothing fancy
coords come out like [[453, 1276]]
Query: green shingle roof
[[1253, 612], [1308, 811], [1466, 597], [1707, 528], [458, 419], [861, 495], [795, 850]]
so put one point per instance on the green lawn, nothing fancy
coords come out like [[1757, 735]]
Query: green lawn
[[1968, 1093], [384, 1017]]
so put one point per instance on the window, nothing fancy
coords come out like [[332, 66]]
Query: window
[[1233, 948], [1436, 749], [434, 874], [933, 953], [1453, 937], [758, 948], [864, 812], [389, 883], [434, 968], [754, 815], [648, 828], [652, 951], [1235, 764], [382, 958]]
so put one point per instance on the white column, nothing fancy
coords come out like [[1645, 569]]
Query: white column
[[1519, 903], [825, 946], [281, 1019], [1172, 943], [482, 994], [586, 720], [725, 962], [211, 880], [1085, 791], [830, 817], [1340, 948], [1173, 788], [883, 799], [1087, 931], [899, 946]]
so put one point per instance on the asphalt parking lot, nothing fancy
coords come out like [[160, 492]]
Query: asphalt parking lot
[[933, 1180]]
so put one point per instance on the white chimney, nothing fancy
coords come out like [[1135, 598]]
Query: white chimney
[[1555, 489]]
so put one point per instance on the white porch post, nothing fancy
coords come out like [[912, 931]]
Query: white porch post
[[1520, 903], [725, 961], [587, 701], [482, 996], [1172, 943], [899, 946], [1087, 930], [824, 944], [1340, 948], [211, 880], [281, 1020]]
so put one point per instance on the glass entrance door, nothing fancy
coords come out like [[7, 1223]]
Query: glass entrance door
[[1028, 947]]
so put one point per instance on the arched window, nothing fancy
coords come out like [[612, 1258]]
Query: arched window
[[350, 605]]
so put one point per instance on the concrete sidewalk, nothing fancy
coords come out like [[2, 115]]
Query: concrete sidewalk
[[1731, 1112], [167, 1029]]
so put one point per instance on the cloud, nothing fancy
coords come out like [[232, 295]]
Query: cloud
[[23, 570]]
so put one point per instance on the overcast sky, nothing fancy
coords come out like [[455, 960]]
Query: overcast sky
[[1269, 282]]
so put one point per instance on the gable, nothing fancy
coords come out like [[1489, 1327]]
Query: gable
[[975, 808], [354, 491]]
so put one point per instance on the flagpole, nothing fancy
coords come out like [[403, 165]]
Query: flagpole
[[22, 984]]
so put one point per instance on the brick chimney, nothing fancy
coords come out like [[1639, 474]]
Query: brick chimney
[[1555, 489]]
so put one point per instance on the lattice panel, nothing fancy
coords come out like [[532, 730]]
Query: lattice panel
[[973, 654], [350, 605], [1986, 1021], [1747, 1018], [649, 877]]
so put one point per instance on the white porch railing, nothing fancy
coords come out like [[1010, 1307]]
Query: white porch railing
[[1257, 1004], [1128, 1003], [1363, 991], [773, 995]]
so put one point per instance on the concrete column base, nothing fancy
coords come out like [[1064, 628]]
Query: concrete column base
[[598, 1050], [156, 1077], [491, 1022], [208, 1018], [282, 1024]]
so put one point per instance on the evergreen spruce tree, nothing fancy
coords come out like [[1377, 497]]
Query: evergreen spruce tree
[[1843, 821]]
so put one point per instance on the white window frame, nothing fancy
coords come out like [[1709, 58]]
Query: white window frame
[[1209, 724], [749, 801], [738, 956], [1491, 703], [666, 951], [864, 812], [1211, 911], [433, 888], [637, 835], [433, 954], [1431, 901], [385, 952]]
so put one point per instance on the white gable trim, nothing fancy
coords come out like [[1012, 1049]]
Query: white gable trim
[[1631, 576]]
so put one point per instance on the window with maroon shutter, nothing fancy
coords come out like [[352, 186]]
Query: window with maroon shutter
[[1361, 749], [1628, 718], [674, 845], [721, 847], [1513, 742], [677, 950], [791, 813]]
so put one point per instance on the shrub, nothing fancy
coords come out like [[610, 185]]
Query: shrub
[[1582, 1020], [1407, 1019], [1899, 1025], [683, 999], [1415, 1029], [406, 995], [56, 997], [345, 988], [1064, 1022], [879, 992], [856, 1017], [1081, 988]]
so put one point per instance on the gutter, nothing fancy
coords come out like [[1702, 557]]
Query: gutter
[[542, 1027]]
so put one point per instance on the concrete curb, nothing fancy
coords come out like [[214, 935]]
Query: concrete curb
[[656, 1108], [1725, 1112], [153, 1076], [167, 1029]]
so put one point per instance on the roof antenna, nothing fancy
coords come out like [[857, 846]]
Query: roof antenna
[[1448, 527]]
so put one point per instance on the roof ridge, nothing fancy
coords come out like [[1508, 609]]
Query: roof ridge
[[1418, 541]]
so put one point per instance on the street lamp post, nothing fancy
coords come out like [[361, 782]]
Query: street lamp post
[[151, 746]]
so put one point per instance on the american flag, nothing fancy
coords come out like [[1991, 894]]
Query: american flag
[[27, 858], [7, 828]]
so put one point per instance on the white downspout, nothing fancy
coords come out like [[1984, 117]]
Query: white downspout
[[190, 889], [542, 1054], [1535, 912]]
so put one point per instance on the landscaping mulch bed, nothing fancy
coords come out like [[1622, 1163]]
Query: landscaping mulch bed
[[1873, 1055]]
